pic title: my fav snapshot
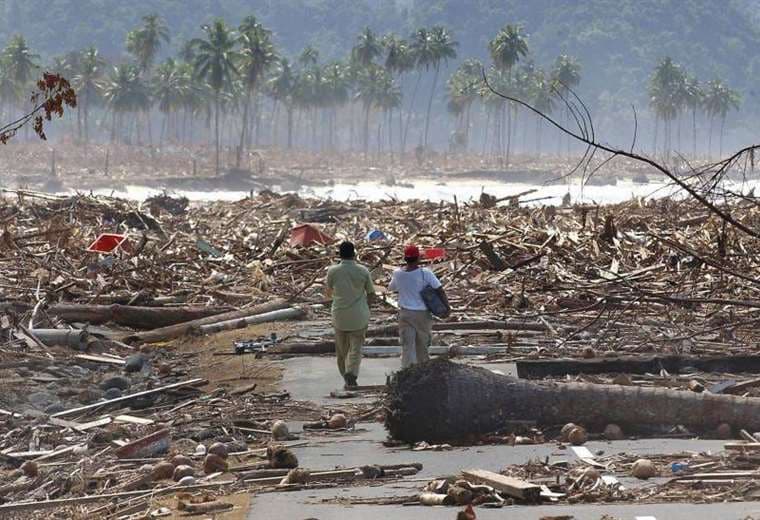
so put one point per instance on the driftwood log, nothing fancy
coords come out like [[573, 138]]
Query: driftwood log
[[442, 401], [131, 316]]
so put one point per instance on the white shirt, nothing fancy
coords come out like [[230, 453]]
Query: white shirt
[[409, 284]]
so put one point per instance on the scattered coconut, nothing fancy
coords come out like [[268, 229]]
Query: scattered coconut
[[589, 353], [613, 432], [163, 470], [296, 476], [281, 457], [724, 431], [213, 464], [200, 450], [188, 480], [337, 421], [181, 460], [565, 431], [460, 495], [577, 436], [622, 379], [182, 471], [644, 469], [280, 431], [30, 468], [220, 449]]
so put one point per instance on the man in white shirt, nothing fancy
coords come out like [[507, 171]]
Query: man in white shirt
[[415, 321]]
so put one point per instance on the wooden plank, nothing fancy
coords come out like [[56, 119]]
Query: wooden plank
[[132, 420], [752, 446], [101, 359], [12, 414], [323, 475], [125, 398], [512, 487]]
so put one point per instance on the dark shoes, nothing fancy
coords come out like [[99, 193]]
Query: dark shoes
[[350, 380]]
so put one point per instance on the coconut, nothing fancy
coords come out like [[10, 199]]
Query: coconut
[[214, 464], [337, 421], [162, 470], [220, 449], [189, 480], [181, 460], [622, 379], [724, 431], [182, 471], [296, 476], [565, 431], [589, 353], [281, 457], [280, 431], [613, 432], [577, 436], [644, 469], [30, 468]]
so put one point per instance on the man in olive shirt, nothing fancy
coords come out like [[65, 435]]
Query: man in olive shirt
[[350, 285]]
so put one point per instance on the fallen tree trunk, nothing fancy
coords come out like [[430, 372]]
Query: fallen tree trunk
[[442, 401], [182, 329], [291, 313], [72, 338], [131, 316], [538, 369]]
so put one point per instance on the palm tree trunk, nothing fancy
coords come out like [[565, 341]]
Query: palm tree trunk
[[654, 142], [444, 401], [694, 130], [709, 139], [243, 129], [430, 103], [722, 127], [216, 129], [409, 113], [290, 127], [366, 128]]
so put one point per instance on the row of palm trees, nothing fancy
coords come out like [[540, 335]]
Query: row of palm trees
[[237, 83], [674, 93]]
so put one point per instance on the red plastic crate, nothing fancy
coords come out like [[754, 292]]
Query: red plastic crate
[[107, 243]]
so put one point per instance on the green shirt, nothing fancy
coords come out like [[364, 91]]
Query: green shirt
[[350, 284]]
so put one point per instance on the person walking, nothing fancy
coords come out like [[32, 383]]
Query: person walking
[[415, 322], [350, 286]]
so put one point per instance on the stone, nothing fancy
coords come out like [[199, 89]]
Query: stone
[[41, 400], [236, 447], [90, 395], [120, 382], [54, 408], [613, 432], [112, 393], [219, 449], [214, 464], [189, 480], [181, 472], [724, 431], [134, 363]]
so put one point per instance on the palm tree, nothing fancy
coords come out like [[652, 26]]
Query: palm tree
[[692, 97], [88, 83], [145, 41], [125, 92], [464, 88], [215, 63], [431, 47], [336, 85], [719, 100], [665, 87], [566, 75], [257, 56], [367, 48], [399, 59], [506, 49], [543, 90], [369, 87], [309, 56], [281, 87], [170, 90], [19, 64]]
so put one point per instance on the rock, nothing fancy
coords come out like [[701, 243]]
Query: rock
[[54, 408], [644, 469], [164, 369], [120, 382], [200, 450], [30, 468], [236, 446], [337, 421], [112, 393], [281, 457], [219, 449], [613, 432], [189, 480], [280, 431], [296, 476], [134, 363], [214, 464], [143, 402], [181, 460], [565, 431], [163, 470], [724, 431], [181, 472], [577, 436], [41, 400]]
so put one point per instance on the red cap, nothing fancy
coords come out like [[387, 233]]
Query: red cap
[[411, 251]]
